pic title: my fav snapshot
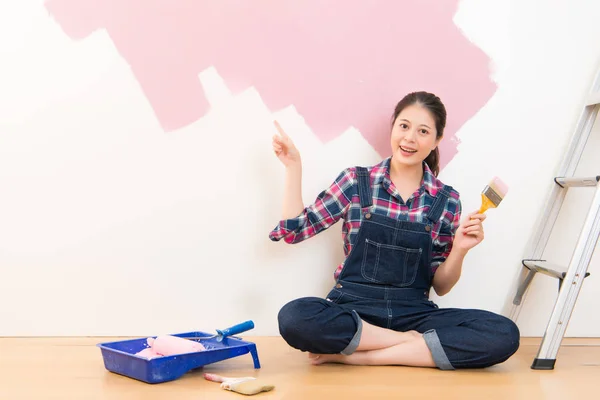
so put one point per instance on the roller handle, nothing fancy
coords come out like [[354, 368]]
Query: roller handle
[[235, 329]]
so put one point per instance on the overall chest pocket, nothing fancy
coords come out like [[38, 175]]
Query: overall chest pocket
[[390, 265]]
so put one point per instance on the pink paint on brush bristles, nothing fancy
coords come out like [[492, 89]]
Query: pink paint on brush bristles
[[499, 186]]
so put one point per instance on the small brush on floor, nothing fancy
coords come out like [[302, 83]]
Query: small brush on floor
[[247, 385]]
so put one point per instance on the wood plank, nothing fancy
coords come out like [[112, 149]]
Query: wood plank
[[72, 368]]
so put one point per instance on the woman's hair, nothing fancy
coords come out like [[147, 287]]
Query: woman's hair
[[435, 106]]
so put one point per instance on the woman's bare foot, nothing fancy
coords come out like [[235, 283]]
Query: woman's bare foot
[[318, 359], [414, 334], [374, 337], [357, 358]]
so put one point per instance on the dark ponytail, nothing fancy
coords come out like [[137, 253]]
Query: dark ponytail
[[433, 161], [433, 103]]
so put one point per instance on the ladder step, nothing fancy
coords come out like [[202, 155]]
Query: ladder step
[[593, 99], [553, 270], [577, 182]]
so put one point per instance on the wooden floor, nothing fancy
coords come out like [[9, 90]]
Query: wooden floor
[[72, 368]]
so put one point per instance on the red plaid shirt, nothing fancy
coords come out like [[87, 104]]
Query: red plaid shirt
[[341, 201]]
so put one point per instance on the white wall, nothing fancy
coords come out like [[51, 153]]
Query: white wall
[[106, 220]]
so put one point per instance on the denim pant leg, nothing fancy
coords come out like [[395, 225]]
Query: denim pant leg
[[464, 338], [320, 326]]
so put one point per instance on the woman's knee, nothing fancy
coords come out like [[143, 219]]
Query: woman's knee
[[297, 318], [506, 337], [494, 340], [510, 334], [316, 325]]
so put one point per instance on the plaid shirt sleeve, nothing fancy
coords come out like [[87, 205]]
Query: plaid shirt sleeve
[[443, 244], [330, 205]]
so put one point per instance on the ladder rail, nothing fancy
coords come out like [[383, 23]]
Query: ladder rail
[[566, 169], [578, 141], [573, 280], [555, 199]]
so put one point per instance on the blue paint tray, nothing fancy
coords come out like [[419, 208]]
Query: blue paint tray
[[120, 358]]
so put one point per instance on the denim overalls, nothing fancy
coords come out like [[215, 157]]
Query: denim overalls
[[386, 281]]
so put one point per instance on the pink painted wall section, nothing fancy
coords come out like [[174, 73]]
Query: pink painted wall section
[[341, 63]]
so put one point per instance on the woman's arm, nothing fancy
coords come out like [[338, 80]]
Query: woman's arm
[[468, 235], [449, 272], [287, 153], [292, 192], [299, 222]]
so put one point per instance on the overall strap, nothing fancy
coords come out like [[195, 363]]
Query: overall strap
[[364, 187], [437, 208]]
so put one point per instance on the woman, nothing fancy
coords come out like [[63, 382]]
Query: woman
[[402, 235]]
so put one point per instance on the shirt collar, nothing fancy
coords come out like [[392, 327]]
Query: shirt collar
[[429, 183]]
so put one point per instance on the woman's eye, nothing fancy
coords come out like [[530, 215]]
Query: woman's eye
[[403, 126], [424, 131]]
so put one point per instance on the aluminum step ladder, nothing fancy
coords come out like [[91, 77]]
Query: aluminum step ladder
[[570, 279]]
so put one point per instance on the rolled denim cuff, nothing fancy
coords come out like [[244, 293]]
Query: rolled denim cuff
[[353, 345], [437, 351]]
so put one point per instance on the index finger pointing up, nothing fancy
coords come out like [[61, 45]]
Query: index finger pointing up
[[280, 130]]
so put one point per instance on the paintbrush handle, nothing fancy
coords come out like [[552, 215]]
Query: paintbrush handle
[[486, 204]]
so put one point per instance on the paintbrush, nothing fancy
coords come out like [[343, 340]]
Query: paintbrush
[[247, 385], [492, 194]]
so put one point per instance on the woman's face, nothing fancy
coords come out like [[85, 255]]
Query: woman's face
[[413, 135]]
